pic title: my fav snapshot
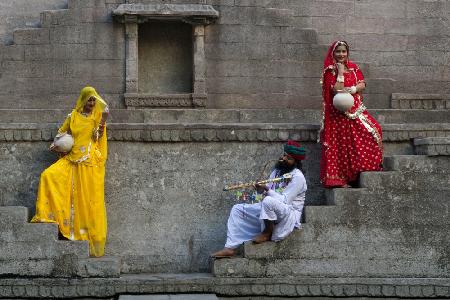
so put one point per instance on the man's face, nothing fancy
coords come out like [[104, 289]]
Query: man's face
[[285, 163]]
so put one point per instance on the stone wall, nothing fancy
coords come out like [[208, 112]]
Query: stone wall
[[259, 53]]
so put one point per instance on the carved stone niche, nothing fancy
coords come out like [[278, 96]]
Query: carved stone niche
[[171, 76]]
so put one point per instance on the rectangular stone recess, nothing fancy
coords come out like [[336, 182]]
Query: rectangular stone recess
[[165, 58]]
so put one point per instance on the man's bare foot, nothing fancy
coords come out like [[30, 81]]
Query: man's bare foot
[[225, 252], [263, 237]]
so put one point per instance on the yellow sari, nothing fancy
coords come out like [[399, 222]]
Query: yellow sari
[[71, 191]]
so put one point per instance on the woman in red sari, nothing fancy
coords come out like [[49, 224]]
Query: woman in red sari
[[351, 140]]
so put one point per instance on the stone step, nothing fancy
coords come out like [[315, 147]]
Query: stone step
[[106, 266], [65, 265], [32, 232], [333, 267], [401, 116], [350, 247], [436, 146], [89, 3], [420, 101], [19, 250], [75, 16], [309, 240], [17, 215], [31, 36], [395, 180], [418, 163], [403, 208], [180, 116]]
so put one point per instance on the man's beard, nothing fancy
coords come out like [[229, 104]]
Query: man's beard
[[284, 167]]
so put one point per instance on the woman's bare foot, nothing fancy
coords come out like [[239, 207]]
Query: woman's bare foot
[[225, 252], [346, 186], [263, 237]]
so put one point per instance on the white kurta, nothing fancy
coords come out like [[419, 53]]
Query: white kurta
[[283, 207]]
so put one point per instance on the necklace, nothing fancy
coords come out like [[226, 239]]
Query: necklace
[[85, 114]]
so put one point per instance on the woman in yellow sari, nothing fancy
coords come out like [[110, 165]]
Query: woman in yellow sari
[[71, 191]]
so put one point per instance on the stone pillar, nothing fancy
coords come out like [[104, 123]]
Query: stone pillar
[[199, 66], [132, 71]]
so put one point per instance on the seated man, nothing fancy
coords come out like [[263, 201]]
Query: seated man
[[276, 216]]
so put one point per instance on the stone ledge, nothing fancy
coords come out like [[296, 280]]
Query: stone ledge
[[215, 132], [432, 146], [190, 13], [206, 283], [420, 101]]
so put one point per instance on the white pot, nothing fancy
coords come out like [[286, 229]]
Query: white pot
[[343, 101], [63, 142]]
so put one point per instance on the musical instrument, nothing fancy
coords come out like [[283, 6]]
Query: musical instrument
[[285, 177]]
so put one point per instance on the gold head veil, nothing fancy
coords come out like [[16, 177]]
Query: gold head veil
[[85, 94]]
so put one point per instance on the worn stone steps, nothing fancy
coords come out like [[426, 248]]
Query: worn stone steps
[[33, 249], [393, 224], [320, 267]]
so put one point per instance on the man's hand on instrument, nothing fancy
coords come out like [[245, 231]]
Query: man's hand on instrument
[[261, 188]]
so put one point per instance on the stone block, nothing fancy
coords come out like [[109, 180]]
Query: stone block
[[32, 69], [85, 3], [242, 34], [426, 9], [26, 267], [378, 42], [14, 232], [296, 35], [113, 51], [12, 52], [328, 25], [18, 250], [99, 267], [60, 17], [379, 86], [31, 36], [377, 101], [417, 26], [38, 52], [356, 24], [409, 116], [435, 43], [434, 146], [14, 214], [379, 8]]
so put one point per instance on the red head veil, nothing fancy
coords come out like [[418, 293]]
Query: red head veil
[[328, 80]]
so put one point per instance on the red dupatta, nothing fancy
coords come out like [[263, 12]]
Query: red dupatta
[[328, 81]]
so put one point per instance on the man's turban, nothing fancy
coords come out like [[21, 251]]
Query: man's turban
[[295, 150]]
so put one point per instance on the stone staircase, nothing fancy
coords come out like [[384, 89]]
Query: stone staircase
[[393, 225], [41, 60], [33, 249]]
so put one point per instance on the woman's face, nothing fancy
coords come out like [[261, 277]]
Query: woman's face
[[340, 54], [90, 104]]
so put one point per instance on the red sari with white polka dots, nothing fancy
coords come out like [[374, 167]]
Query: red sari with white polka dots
[[352, 141]]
